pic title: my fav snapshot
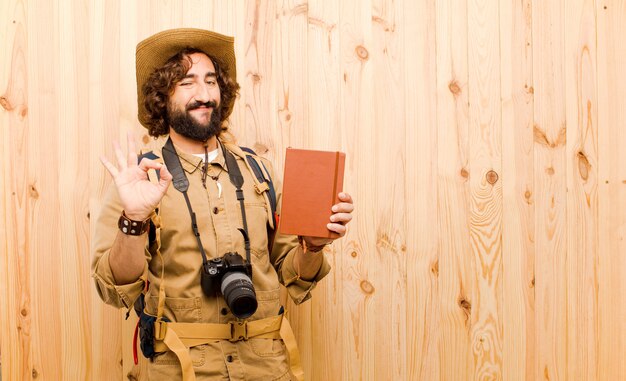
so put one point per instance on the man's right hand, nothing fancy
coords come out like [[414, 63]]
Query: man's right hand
[[139, 196]]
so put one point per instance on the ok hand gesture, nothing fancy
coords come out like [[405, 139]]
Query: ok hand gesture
[[139, 196]]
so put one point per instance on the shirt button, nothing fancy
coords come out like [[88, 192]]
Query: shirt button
[[224, 311], [229, 358], [216, 210]]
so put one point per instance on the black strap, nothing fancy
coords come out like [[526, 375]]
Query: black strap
[[179, 179], [237, 180]]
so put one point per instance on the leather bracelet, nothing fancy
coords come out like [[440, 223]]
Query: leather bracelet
[[132, 227]]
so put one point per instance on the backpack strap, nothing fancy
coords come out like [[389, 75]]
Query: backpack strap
[[263, 177]]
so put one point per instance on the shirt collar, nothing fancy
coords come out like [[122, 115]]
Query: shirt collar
[[192, 163]]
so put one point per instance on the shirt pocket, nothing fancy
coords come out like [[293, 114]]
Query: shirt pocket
[[256, 217], [180, 310], [269, 305]]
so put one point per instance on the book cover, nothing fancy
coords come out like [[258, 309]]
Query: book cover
[[311, 182]]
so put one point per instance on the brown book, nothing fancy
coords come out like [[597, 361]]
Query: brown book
[[311, 183]]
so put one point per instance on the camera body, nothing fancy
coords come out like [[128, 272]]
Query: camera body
[[231, 276]]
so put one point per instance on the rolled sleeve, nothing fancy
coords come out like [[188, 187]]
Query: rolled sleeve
[[300, 289], [111, 293]]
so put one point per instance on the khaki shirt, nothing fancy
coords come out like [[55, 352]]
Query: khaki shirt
[[218, 218]]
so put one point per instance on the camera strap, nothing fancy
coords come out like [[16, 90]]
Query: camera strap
[[181, 183], [237, 180]]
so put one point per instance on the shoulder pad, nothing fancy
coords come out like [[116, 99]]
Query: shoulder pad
[[150, 155]]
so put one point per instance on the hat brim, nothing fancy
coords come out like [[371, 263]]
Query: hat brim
[[154, 51]]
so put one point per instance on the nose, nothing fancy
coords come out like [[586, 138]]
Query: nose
[[203, 94]]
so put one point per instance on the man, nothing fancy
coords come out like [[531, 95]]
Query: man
[[170, 247]]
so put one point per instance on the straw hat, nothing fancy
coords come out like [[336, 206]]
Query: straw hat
[[154, 51]]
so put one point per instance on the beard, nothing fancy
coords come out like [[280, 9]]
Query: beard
[[186, 125]]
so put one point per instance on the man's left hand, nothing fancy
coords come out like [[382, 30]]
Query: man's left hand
[[342, 215]]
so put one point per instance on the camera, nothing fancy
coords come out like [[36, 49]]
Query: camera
[[230, 274]]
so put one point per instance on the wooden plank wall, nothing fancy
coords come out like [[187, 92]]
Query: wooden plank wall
[[486, 152]]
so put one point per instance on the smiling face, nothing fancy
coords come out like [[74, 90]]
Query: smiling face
[[194, 108]]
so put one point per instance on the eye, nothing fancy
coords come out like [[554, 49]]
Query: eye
[[186, 83]]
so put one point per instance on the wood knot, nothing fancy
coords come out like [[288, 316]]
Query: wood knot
[[4, 102], [256, 78], [284, 115], [454, 87], [33, 192], [527, 195], [531, 90], [35, 373], [467, 306], [583, 166], [492, 177], [260, 148], [435, 268], [550, 171], [367, 287], [362, 53], [24, 312], [464, 173], [532, 283], [353, 254]]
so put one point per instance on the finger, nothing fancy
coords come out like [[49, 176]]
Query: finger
[[165, 174], [146, 164], [345, 197], [341, 218], [337, 228], [343, 207], [132, 150], [121, 160], [110, 167]]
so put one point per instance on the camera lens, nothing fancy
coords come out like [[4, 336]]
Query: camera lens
[[239, 294]]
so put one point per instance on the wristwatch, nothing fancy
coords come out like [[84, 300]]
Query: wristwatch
[[132, 227]]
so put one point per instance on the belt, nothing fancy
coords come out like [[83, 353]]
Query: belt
[[178, 337]]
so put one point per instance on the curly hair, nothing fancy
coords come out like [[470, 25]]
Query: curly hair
[[161, 83]]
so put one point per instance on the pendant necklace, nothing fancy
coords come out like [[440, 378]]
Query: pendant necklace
[[205, 173]]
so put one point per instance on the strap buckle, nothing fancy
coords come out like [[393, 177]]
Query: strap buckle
[[238, 331], [160, 327], [261, 187]]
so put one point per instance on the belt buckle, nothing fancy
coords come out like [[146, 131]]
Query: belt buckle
[[238, 331]]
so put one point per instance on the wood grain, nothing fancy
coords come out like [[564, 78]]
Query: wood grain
[[485, 153], [611, 190], [387, 141], [582, 190], [518, 191], [419, 70], [550, 190], [485, 168], [455, 265], [15, 262], [324, 132], [357, 359]]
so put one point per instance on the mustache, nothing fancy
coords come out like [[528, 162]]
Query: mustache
[[195, 105]]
